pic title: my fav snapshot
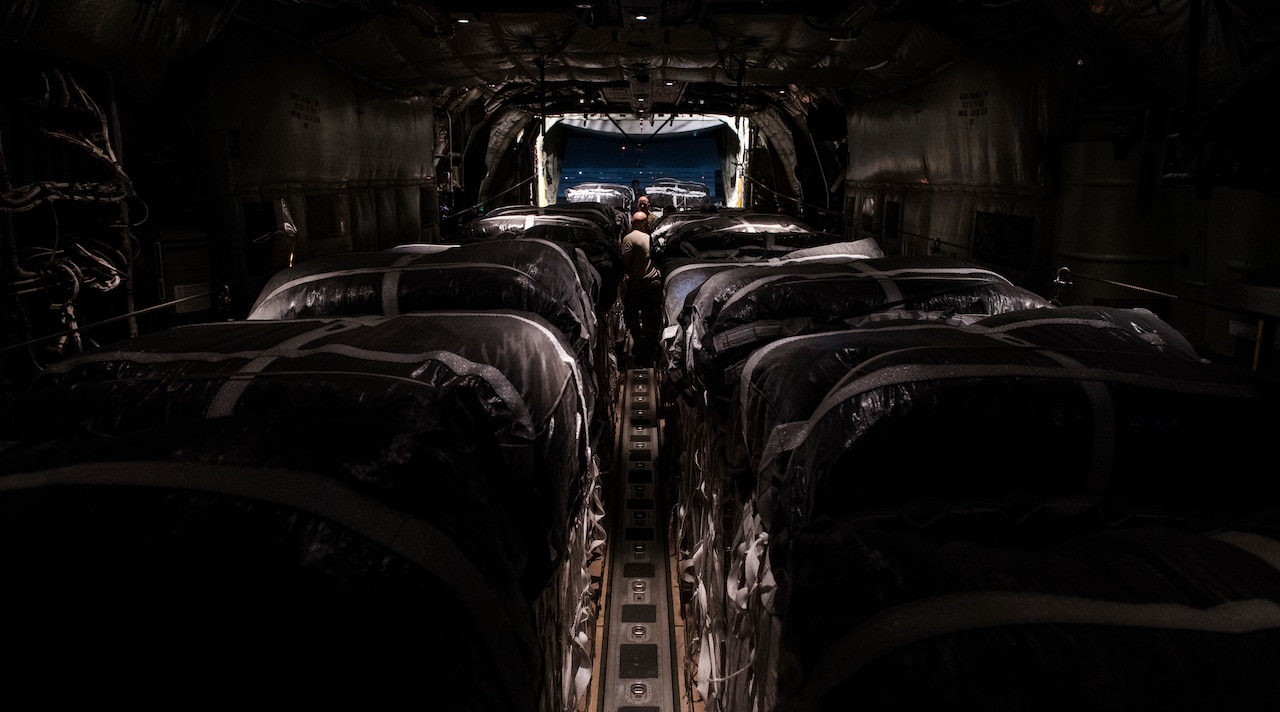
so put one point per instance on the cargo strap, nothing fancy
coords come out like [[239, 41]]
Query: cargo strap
[[789, 436], [916, 621], [414, 538], [1263, 547], [224, 400], [392, 269]]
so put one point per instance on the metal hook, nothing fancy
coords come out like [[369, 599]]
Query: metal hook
[[1060, 283]]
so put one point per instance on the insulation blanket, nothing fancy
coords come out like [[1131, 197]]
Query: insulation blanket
[[340, 397], [1121, 408], [1050, 605]]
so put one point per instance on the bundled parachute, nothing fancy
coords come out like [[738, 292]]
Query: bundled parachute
[[329, 499]]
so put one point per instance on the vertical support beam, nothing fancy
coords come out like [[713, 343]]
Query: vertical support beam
[[1264, 344]]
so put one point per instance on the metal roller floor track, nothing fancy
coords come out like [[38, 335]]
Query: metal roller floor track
[[638, 662]]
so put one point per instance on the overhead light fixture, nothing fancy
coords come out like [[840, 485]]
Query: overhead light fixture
[[641, 17]]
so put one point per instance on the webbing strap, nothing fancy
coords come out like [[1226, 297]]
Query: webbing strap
[[411, 537], [913, 622], [1263, 547], [789, 436], [224, 401]]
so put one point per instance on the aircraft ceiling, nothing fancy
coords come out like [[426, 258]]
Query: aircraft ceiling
[[734, 56], [703, 56]]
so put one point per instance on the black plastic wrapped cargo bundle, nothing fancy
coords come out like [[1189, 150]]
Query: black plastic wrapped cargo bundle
[[588, 277], [525, 275], [785, 380], [742, 246], [736, 312], [311, 382], [166, 584], [306, 512], [513, 223], [968, 412], [1016, 605], [614, 196], [609, 218], [673, 194], [704, 496], [603, 250], [672, 223], [679, 284], [735, 236], [826, 251], [691, 224], [784, 383], [1136, 331], [683, 279]]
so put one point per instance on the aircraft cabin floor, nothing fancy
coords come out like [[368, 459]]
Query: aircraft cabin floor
[[640, 642]]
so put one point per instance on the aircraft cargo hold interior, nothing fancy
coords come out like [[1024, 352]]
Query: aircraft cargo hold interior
[[702, 356]]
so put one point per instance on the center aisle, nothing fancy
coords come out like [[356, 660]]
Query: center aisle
[[640, 635]]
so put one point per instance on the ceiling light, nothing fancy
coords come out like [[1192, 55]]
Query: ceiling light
[[641, 18]]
